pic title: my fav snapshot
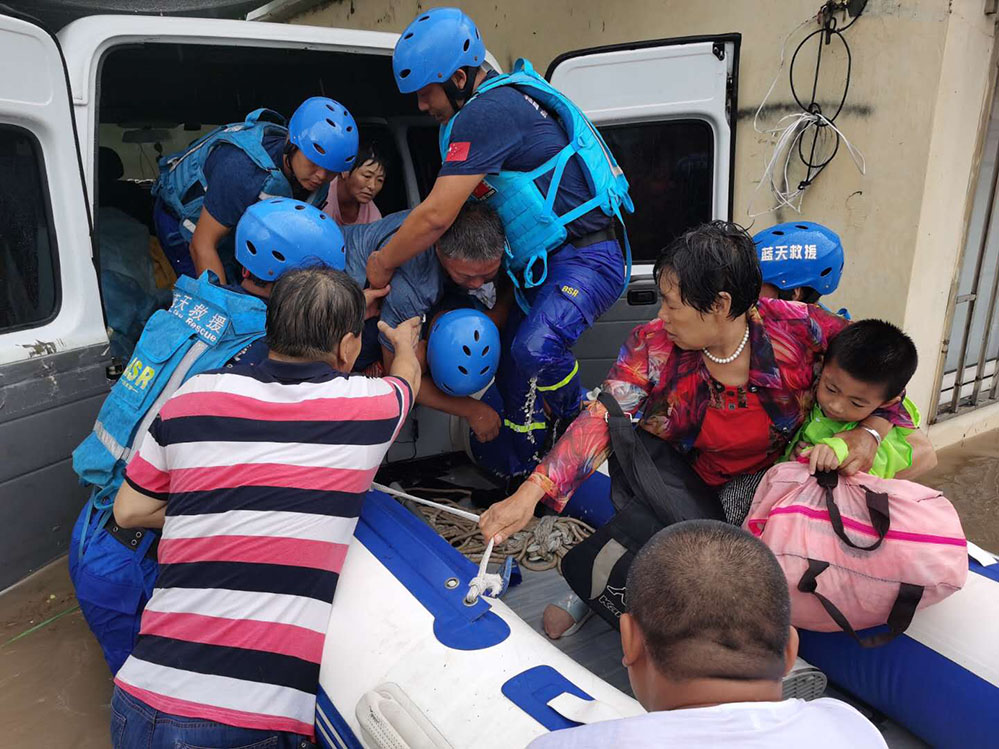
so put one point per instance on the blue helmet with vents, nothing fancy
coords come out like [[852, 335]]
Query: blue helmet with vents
[[800, 253], [435, 45], [281, 234], [325, 132], [463, 351]]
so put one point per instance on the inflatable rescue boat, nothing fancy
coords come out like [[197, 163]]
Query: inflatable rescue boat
[[407, 663]]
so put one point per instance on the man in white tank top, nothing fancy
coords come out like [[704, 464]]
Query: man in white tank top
[[706, 640]]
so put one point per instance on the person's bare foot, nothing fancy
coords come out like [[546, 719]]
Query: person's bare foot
[[556, 621]]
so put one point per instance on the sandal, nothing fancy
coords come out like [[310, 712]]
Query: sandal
[[576, 608]]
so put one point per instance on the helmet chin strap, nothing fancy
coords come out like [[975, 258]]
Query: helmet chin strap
[[463, 94]]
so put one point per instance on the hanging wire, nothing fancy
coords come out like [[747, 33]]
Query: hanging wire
[[790, 135]]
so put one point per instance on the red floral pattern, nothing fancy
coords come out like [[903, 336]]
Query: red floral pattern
[[669, 388]]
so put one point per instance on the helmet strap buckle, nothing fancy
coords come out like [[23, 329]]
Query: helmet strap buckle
[[463, 94]]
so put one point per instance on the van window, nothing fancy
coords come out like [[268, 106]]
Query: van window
[[424, 147], [29, 292], [670, 167]]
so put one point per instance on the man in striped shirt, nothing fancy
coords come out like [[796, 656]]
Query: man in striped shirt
[[257, 476]]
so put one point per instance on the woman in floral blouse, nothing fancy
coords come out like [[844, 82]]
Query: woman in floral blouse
[[725, 378]]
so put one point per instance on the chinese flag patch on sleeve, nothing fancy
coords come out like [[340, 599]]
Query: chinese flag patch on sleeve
[[458, 151]]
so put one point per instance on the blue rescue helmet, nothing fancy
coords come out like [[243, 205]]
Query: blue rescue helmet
[[463, 351], [281, 234], [325, 132], [434, 46], [800, 254]]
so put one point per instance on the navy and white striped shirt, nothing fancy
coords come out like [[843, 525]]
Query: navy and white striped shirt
[[264, 470]]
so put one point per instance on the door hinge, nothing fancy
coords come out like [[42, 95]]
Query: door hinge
[[718, 49]]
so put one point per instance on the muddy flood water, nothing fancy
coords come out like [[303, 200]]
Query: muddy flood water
[[55, 687]]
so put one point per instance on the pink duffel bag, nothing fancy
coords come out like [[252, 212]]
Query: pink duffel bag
[[858, 551]]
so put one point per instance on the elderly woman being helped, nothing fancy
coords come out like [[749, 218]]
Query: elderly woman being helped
[[723, 377]]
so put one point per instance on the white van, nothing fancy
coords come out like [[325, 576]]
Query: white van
[[144, 85]]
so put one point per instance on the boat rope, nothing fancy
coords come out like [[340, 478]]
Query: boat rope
[[538, 547], [484, 583], [427, 502]]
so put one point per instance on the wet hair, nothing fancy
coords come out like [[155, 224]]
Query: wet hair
[[368, 153], [875, 352], [310, 310], [476, 235], [711, 602], [716, 257]]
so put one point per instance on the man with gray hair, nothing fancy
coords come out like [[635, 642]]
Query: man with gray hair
[[256, 476], [459, 271]]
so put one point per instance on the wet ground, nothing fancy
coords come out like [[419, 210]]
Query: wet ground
[[968, 475], [55, 687]]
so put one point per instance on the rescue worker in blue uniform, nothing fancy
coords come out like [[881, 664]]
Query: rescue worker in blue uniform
[[203, 190], [801, 261], [519, 144], [208, 326]]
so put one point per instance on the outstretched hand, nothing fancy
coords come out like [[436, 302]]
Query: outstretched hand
[[505, 518], [373, 301], [403, 336], [822, 458], [483, 420]]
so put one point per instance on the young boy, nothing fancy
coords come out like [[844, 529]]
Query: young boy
[[867, 367], [706, 640]]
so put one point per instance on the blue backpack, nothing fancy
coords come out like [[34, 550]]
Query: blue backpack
[[533, 228], [182, 171]]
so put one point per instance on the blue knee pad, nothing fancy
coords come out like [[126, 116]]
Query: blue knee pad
[[112, 583]]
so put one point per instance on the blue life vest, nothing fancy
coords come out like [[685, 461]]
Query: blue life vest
[[182, 171], [533, 228], [203, 329]]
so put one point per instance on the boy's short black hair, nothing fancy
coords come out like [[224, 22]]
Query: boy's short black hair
[[875, 352], [310, 310], [715, 257], [369, 153], [711, 602]]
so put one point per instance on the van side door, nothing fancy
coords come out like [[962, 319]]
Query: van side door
[[667, 110], [52, 338]]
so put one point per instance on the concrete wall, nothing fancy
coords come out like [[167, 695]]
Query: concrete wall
[[919, 82]]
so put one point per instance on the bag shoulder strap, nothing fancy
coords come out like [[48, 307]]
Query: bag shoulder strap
[[877, 508], [899, 618], [641, 472]]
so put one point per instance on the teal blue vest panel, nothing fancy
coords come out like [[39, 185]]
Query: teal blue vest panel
[[182, 171], [203, 329], [533, 228]]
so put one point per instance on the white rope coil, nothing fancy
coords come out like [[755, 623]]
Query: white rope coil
[[540, 546]]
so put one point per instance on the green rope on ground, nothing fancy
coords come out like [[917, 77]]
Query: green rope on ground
[[37, 627]]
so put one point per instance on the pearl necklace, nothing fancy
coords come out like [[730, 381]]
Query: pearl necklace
[[733, 357]]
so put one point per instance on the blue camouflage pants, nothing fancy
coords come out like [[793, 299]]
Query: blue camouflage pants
[[582, 284]]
